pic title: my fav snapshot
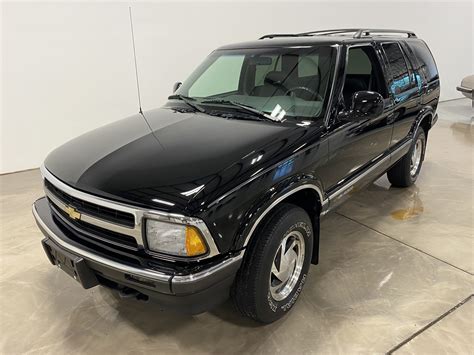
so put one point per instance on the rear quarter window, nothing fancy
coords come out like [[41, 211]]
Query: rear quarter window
[[425, 59]]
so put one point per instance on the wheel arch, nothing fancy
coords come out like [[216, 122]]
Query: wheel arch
[[308, 195], [425, 123], [425, 120]]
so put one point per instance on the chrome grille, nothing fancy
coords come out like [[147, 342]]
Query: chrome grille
[[98, 233], [107, 214], [88, 219]]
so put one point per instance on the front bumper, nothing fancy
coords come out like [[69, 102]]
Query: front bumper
[[193, 292]]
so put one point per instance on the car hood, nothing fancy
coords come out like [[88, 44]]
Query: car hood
[[164, 158]]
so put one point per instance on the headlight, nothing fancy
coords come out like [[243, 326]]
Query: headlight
[[174, 239]]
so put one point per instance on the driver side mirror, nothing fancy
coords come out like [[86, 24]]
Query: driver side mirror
[[176, 86], [366, 104]]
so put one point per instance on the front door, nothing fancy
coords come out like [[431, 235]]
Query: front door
[[354, 145]]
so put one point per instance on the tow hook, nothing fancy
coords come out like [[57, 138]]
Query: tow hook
[[128, 292]]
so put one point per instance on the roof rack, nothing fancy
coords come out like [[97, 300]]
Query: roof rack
[[331, 32], [367, 32], [275, 35], [358, 33]]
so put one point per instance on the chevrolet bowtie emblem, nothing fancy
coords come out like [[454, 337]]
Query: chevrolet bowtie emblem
[[73, 213]]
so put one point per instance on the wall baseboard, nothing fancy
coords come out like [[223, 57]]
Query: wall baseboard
[[456, 98], [18, 171]]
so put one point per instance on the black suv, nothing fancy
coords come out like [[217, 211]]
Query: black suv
[[220, 191]]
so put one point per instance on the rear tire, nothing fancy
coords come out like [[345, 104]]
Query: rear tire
[[275, 265], [405, 172]]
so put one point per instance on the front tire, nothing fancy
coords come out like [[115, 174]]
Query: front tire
[[275, 266], [405, 172]]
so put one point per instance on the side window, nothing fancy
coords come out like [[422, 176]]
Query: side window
[[425, 59], [363, 72], [398, 68], [358, 62], [226, 69], [416, 76]]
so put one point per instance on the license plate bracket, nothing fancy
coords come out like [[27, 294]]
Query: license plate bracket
[[73, 265]]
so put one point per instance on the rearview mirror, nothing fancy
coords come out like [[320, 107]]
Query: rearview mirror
[[176, 86], [366, 104], [260, 60]]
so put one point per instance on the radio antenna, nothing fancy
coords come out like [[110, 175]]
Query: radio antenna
[[135, 59]]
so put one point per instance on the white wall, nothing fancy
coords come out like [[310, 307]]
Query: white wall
[[68, 68]]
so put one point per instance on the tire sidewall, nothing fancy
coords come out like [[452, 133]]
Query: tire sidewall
[[268, 308], [419, 132]]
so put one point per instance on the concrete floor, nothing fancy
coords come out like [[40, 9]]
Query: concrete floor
[[395, 274]]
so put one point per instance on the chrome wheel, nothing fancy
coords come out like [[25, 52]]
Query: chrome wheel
[[287, 265], [416, 157]]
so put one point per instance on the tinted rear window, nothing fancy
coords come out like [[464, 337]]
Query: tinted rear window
[[398, 67], [425, 59]]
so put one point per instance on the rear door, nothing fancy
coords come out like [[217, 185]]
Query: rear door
[[426, 71], [404, 89]]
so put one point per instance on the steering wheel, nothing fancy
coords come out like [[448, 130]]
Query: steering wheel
[[304, 88]]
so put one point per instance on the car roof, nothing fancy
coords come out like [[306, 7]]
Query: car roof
[[323, 37]]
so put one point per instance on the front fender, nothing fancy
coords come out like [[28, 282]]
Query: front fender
[[263, 206], [229, 215]]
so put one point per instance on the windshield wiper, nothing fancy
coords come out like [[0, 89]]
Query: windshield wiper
[[243, 107], [188, 100]]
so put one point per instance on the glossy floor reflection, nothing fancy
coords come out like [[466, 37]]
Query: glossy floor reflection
[[392, 262]]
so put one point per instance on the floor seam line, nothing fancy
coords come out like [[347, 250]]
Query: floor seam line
[[406, 244], [430, 324]]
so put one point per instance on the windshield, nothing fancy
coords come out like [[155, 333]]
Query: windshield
[[280, 82]]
